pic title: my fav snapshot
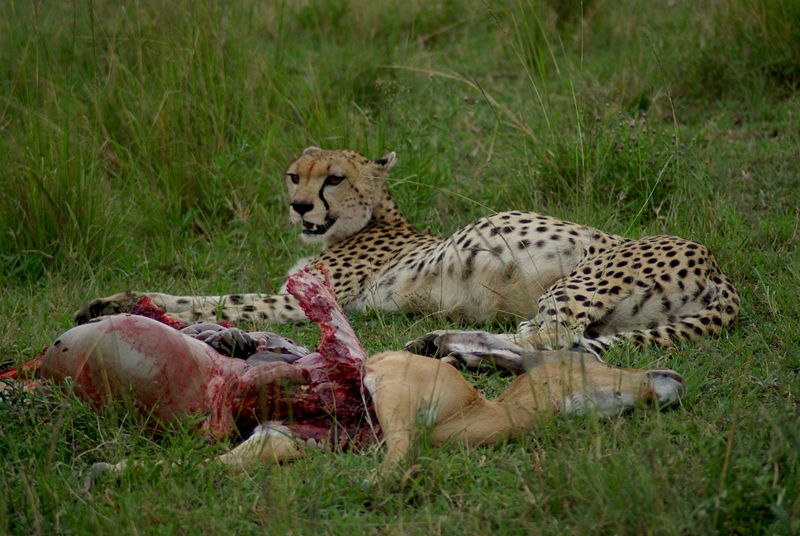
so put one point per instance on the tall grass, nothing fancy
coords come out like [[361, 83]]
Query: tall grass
[[108, 118], [751, 44]]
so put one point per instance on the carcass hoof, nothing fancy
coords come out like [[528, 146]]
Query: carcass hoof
[[667, 386], [427, 345], [101, 470]]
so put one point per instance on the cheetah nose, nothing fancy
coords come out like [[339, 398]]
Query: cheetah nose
[[301, 207]]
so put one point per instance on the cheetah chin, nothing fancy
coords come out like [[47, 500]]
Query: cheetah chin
[[316, 229]]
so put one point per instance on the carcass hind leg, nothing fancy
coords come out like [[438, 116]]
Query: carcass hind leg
[[412, 393], [270, 443]]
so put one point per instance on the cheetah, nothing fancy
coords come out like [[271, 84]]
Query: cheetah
[[575, 286]]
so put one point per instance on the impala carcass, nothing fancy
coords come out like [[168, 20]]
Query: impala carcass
[[336, 396]]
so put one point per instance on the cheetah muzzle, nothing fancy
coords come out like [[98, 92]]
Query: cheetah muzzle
[[317, 229]]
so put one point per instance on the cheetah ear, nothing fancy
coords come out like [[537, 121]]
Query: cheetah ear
[[387, 161], [311, 150]]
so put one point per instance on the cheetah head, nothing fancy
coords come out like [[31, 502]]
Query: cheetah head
[[333, 193]]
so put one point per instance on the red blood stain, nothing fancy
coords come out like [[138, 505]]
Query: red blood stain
[[145, 307], [29, 369], [168, 374]]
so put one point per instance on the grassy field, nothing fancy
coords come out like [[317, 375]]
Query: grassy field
[[142, 146]]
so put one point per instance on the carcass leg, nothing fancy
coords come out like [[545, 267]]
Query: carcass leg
[[573, 382], [270, 443], [412, 393]]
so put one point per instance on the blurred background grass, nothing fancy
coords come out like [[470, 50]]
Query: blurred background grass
[[171, 118]]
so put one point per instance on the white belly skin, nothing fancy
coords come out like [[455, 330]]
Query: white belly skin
[[136, 359]]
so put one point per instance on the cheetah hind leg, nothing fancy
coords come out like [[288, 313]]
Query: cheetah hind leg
[[474, 349]]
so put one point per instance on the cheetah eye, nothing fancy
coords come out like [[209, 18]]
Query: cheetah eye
[[294, 177], [333, 180]]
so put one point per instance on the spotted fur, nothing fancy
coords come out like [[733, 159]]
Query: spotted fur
[[575, 284]]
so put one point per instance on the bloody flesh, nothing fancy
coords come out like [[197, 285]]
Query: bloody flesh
[[137, 360], [334, 407], [29, 369], [143, 358], [145, 307]]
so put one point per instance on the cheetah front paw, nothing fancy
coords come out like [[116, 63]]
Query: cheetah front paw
[[527, 328], [110, 305]]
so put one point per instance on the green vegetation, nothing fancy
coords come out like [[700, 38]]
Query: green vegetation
[[142, 146]]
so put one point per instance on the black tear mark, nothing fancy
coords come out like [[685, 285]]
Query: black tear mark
[[324, 201]]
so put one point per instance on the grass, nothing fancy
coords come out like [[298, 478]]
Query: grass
[[143, 145]]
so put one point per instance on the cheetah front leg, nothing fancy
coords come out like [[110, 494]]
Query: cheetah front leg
[[550, 336], [236, 308]]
